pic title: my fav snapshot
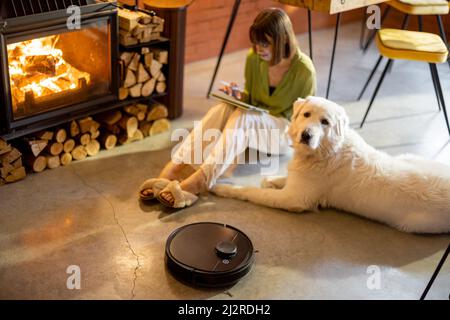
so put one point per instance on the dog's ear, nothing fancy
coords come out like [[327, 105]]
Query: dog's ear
[[342, 122], [298, 104]]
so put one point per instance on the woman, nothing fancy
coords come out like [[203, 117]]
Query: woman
[[276, 74]]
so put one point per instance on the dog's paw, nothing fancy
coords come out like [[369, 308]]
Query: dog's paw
[[224, 190], [267, 183]]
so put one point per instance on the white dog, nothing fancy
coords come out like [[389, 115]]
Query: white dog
[[334, 167]]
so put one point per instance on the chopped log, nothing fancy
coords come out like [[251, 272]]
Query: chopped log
[[66, 158], [44, 135], [161, 87], [95, 134], [84, 139], [129, 124], [74, 129], [17, 163], [161, 55], [145, 50], [142, 74], [53, 161], [145, 19], [126, 57], [128, 20], [148, 58], [126, 39], [108, 140], [54, 148], [124, 139], [158, 111], [140, 28], [16, 175], [61, 135], [109, 117], [135, 91], [155, 68], [157, 20], [5, 170], [3, 144], [94, 127], [146, 36], [144, 127], [161, 77], [148, 87], [37, 164], [155, 36], [36, 146], [10, 157], [85, 124], [6, 149], [69, 144], [134, 64], [130, 79], [133, 110], [142, 107], [93, 148], [159, 126], [79, 153], [123, 93]]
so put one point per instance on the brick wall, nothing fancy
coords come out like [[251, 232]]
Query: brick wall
[[207, 22]]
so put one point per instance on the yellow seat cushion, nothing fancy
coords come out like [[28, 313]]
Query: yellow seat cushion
[[421, 7], [411, 45]]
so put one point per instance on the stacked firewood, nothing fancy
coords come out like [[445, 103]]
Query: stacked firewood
[[60, 146], [138, 27], [81, 138], [143, 75], [11, 168], [135, 122]]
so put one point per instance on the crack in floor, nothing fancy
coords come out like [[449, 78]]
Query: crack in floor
[[138, 265]]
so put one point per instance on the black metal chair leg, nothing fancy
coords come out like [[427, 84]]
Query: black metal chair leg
[[435, 273], [376, 91], [336, 31], [442, 33], [441, 95], [362, 36], [405, 22], [370, 77], [234, 12], [374, 32], [435, 87], [310, 34]]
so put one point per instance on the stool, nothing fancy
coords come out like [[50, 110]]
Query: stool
[[417, 8], [409, 45]]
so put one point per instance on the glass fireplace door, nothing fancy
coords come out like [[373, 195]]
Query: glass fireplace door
[[59, 69]]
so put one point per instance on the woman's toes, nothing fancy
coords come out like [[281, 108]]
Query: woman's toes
[[147, 192]]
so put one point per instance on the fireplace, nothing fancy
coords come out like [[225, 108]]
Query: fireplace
[[51, 74]]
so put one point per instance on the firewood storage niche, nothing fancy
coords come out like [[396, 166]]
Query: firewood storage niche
[[55, 69]]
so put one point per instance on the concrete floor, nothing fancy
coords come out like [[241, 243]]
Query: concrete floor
[[88, 215]]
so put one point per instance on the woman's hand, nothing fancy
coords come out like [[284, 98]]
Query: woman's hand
[[232, 89]]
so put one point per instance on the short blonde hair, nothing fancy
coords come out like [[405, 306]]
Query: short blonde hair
[[274, 23]]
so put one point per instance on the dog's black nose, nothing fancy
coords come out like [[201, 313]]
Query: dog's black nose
[[306, 136]]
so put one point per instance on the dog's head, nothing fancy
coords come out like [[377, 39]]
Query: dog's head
[[318, 126]]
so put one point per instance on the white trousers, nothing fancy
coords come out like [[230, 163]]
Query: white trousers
[[232, 130]]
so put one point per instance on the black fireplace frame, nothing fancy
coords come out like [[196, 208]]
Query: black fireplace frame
[[42, 24]]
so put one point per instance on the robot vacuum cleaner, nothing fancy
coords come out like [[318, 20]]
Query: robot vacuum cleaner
[[209, 254]]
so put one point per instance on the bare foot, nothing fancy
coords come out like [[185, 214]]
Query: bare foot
[[195, 184]]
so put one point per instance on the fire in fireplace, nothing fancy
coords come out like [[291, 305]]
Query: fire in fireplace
[[51, 74]]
